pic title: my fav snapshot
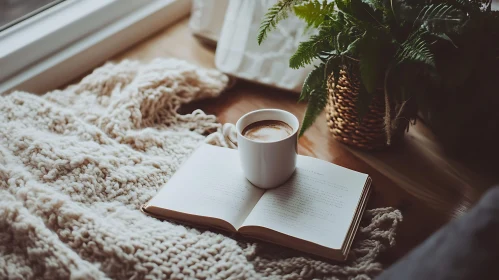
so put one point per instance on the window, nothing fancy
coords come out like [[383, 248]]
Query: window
[[47, 48], [14, 11]]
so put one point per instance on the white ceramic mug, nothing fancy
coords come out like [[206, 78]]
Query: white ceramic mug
[[267, 164]]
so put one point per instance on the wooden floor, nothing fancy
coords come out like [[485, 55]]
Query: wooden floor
[[414, 176]]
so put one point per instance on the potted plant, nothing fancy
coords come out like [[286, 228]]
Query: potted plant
[[379, 62]]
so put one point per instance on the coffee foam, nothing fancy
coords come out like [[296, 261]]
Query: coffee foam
[[267, 130]]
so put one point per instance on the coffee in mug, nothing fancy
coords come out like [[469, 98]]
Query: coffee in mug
[[267, 130], [267, 141]]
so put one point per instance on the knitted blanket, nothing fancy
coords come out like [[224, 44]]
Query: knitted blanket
[[76, 165]]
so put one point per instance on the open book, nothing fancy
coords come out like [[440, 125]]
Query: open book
[[317, 210]]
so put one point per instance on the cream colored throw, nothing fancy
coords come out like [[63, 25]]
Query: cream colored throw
[[76, 165]]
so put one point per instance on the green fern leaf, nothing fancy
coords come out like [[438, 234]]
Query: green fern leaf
[[314, 12], [332, 69], [445, 37], [470, 7], [343, 6], [316, 91], [275, 14], [375, 52], [441, 18], [316, 105], [415, 49], [364, 13], [309, 50], [352, 47], [372, 68], [371, 65], [375, 4], [341, 40], [313, 81]]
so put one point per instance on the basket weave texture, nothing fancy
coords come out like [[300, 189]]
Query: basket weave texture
[[343, 120]]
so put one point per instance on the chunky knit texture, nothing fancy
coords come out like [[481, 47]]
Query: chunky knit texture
[[76, 165]]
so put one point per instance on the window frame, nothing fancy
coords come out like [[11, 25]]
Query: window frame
[[30, 14], [61, 34]]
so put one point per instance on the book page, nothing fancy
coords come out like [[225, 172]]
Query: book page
[[210, 183], [317, 204]]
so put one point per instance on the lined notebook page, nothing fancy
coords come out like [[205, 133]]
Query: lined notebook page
[[210, 183], [317, 204]]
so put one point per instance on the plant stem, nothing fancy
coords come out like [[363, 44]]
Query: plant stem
[[393, 10], [349, 57], [373, 17], [388, 120]]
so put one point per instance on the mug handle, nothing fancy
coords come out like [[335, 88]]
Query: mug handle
[[230, 135]]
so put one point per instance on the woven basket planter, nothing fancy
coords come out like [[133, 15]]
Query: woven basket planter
[[343, 121]]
